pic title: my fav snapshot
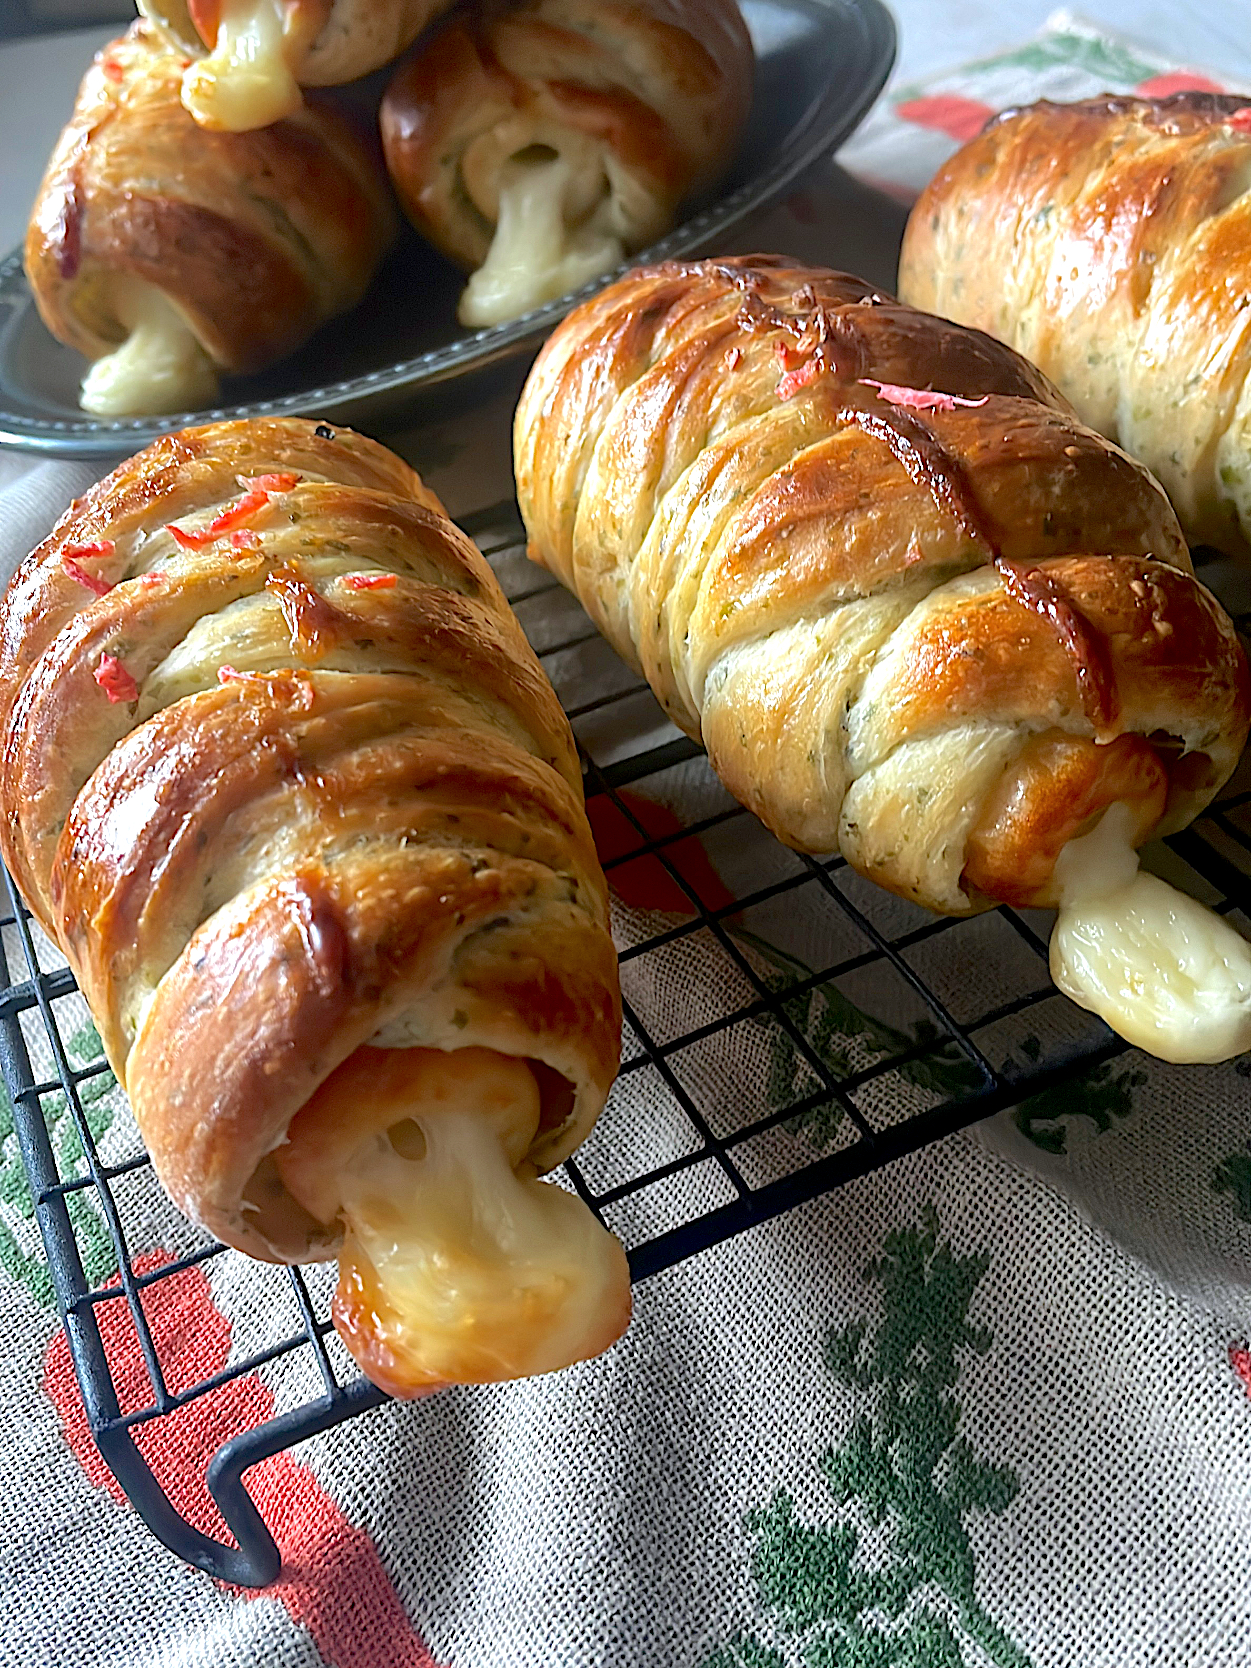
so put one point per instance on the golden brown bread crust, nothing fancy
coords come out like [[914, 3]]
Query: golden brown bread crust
[[866, 612], [1058, 784], [333, 810], [660, 87], [1110, 241], [334, 40], [257, 238]]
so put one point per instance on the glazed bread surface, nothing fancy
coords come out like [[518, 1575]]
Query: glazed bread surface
[[283, 778], [248, 241], [1110, 241], [913, 609], [615, 110]]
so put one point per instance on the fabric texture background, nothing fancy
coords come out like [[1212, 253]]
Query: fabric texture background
[[991, 1405]]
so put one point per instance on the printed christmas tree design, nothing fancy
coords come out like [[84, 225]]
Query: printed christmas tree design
[[95, 1246], [1102, 1095], [1106, 61], [830, 1023], [890, 1581], [1233, 1175], [827, 1019]]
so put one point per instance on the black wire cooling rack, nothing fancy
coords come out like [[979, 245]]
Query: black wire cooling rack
[[942, 1058]]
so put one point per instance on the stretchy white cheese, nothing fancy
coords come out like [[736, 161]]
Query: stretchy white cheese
[[245, 81], [1165, 973], [457, 1261], [536, 253], [160, 367]]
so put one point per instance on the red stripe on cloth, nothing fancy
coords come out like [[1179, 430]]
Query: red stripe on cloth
[[644, 882], [959, 118], [1177, 81], [1240, 1361], [333, 1582]]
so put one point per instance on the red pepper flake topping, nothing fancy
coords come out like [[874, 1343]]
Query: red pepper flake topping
[[918, 399], [294, 687], [793, 381], [185, 540], [733, 359], [1240, 121], [243, 538], [148, 580], [115, 680], [100, 587], [785, 354], [252, 501], [369, 581], [111, 67], [228, 674], [74, 554], [268, 483]]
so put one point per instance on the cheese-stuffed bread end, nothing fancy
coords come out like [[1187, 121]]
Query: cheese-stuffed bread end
[[915, 611], [537, 144], [169, 256], [282, 776], [250, 58]]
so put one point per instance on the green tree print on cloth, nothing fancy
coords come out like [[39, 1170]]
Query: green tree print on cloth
[[1102, 1096], [1107, 61], [95, 1245], [1233, 1175], [904, 1480], [830, 1022]]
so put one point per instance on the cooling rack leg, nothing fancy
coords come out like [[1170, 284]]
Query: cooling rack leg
[[258, 1560], [147, 1497]]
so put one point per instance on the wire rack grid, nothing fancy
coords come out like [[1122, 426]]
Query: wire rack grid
[[844, 1109]]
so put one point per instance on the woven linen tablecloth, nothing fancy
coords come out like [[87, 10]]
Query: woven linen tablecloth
[[991, 1405]]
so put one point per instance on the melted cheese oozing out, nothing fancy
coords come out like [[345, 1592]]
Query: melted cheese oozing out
[[245, 81], [1164, 972], [458, 1264], [159, 368], [536, 254]]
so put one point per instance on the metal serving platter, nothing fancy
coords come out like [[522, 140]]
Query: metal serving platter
[[820, 66]]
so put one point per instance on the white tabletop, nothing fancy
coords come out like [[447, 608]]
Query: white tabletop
[[38, 77]]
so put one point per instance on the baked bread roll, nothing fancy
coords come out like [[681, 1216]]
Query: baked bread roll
[[249, 58], [1111, 242], [168, 255], [913, 609], [283, 778], [538, 143]]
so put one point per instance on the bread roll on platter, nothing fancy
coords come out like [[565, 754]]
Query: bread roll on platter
[[285, 781], [1111, 242], [168, 255], [537, 143], [249, 58], [914, 610]]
